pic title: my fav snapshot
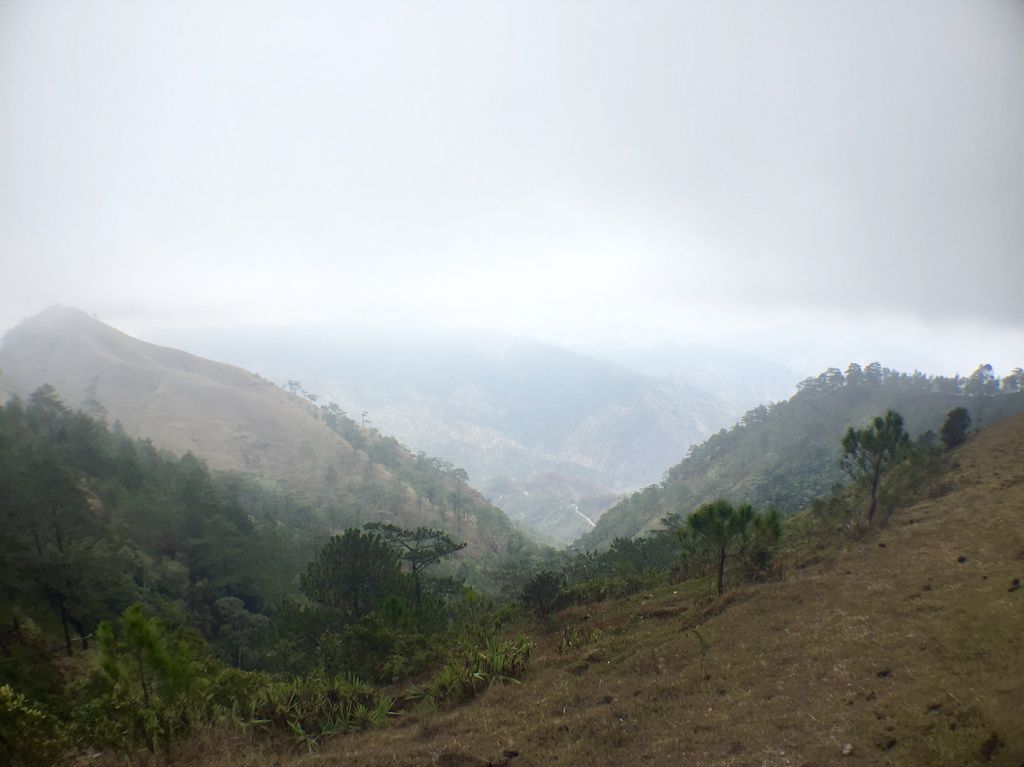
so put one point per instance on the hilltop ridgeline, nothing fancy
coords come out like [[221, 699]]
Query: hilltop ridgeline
[[786, 454]]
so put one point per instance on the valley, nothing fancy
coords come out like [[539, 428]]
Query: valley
[[898, 648], [237, 421], [393, 603], [511, 384], [550, 435]]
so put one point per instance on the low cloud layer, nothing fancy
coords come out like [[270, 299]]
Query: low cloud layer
[[572, 169]]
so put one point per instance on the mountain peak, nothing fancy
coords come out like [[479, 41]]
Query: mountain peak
[[57, 321], [233, 419], [57, 315]]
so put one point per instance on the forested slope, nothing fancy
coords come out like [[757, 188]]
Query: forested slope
[[92, 521], [899, 646], [786, 454], [246, 637], [235, 420], [144, 598]]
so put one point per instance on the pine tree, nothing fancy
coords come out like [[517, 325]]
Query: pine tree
[[954, 430], [867, 453]]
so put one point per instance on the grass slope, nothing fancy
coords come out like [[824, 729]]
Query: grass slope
[[905, 648], [237, 421]]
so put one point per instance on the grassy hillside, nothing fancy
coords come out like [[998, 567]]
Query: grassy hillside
[[786, 454], [237, 421], [900, 648]]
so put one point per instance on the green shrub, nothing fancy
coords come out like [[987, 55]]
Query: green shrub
[[26, 663], [29, 736], [474, 669], [320, 706], [371, 649], [544, 593], [154, 685], [613, 587]]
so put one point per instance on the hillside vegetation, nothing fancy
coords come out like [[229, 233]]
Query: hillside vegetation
[[901, 647], [786, 454], [94, 521], [237, 421], [144, 598], [862, 635]]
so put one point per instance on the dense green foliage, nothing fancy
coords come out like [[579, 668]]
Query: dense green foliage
[[364, 612], [954, 430], [188, 598], [93, 521], [784, 455], [544, 593], [867, 453], [353, 574], [723, 531]]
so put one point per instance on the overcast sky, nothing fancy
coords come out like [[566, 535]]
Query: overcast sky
[[820, 181]]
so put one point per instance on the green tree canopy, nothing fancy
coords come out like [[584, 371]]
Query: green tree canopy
[[867, 453], [724, 531], [419, 549], [954, 430], [353, 573], [544, 593]]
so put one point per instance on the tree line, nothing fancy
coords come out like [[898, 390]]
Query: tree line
[[784, 455]]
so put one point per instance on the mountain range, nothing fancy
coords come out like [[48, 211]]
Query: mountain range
[[237, 421], [553, 436]]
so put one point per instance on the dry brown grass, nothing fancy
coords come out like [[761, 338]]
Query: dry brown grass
[[891, 645]]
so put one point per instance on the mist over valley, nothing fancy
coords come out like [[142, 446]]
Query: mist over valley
[[511, 384]]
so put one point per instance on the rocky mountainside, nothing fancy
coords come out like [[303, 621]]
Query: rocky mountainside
[[572, 432], [238, 421]]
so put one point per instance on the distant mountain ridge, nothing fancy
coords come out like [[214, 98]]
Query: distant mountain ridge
[[786, 454], [552, 435], [738, 378], [237, 421]]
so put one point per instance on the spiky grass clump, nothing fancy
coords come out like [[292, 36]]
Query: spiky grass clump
[[318, 707], [497, 661]]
